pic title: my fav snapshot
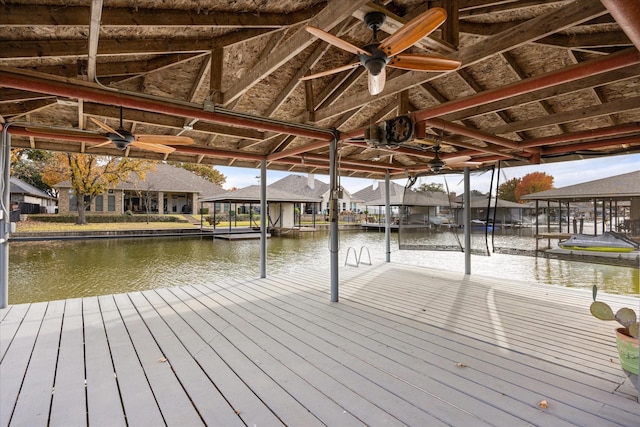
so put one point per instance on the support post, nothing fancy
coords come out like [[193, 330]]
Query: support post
[[5, 223], [333, 217], [467, 221], [387, 225], [263, 218]]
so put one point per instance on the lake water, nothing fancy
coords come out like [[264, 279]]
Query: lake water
[[52, 270]]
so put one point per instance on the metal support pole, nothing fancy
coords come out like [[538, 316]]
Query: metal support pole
[[5, 223], [333, 217], [263, 218], [387, 225], [467, 221]]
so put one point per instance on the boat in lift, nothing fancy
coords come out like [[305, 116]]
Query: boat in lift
[[607, 242]]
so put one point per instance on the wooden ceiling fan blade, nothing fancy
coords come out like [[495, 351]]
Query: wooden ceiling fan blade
[[376, 83], [60, 131], [164, 139], [102, 144], [414, 30], [331, 71], [457, 159], [336, 41], [106, 127], [416, 62], [158, 148]]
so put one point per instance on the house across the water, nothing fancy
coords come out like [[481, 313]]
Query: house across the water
[[166, 189]]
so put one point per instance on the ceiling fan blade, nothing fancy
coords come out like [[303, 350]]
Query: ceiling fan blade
[[336, 41], [457, 159], [60, 131], [376, 83], [106, 127], [101, 145], [331, 71], [164, 139], [419, 27], [158, 148], [415, 62]]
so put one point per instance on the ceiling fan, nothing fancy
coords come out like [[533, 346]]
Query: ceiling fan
[[123, 139], [437, 164], [376, 56]]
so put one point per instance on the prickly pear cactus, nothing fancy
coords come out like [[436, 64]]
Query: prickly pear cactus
[[602, 311], [626, 317]]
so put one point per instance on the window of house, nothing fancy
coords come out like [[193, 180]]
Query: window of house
[[99, 204], [73, 202], [111, 203]]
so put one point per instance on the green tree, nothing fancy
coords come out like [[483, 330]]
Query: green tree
[[90, 175], [205, 171], [432, 187], [533, 182], [507, 190]]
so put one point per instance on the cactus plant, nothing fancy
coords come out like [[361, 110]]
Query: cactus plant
[[626, 337], [625, 316]]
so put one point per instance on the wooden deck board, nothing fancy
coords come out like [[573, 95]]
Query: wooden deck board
[[32, 406], [104, 405], [275, 352], [69, 405]]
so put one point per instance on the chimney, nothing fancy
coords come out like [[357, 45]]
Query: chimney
[[311, 181]]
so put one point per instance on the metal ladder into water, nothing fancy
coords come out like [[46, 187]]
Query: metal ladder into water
[[358, 257]]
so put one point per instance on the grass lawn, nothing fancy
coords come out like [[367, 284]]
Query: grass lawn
[[37, 226]]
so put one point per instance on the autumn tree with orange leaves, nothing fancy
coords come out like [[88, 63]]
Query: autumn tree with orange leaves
[[533, 182], [90, 175]]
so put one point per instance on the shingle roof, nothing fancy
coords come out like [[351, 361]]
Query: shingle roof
[[298, 184], [252, 194], [376, 196], [18, 186], [167, 178], [615, 187]]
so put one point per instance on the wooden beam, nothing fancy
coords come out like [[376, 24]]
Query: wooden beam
[[531, 30], [613, 107], [32, 14], [71, 48], [215, 78], [335, 12], [17, 109], [451, 27], [94, 36]]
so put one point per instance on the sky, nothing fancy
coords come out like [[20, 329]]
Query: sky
[[563, 173]]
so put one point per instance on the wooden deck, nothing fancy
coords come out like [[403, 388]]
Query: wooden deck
[[404, 346]]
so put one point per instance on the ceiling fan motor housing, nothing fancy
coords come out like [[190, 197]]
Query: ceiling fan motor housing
[[375, 62], [120, 142]]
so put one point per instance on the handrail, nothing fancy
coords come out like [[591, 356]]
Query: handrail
[[358, 257], [368, 256], [346, 260]]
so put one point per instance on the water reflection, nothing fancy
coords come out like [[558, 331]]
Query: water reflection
[[42, 271]]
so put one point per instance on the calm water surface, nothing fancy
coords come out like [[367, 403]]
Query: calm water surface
[[52, 270]]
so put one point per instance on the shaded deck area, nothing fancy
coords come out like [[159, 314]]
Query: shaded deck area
[[404, 346]]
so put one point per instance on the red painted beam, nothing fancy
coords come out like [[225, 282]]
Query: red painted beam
[[38, 82], [627, 15], [566, 149]]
